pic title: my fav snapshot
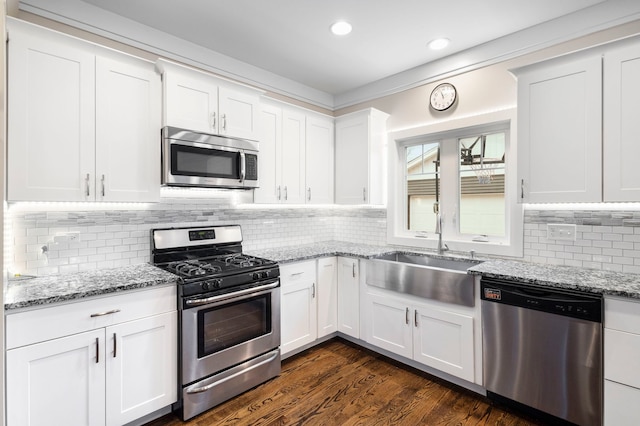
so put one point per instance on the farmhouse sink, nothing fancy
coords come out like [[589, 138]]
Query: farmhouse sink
[[445, 280]]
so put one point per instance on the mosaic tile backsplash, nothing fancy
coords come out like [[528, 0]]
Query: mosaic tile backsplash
[[81, 237], [39, 242]]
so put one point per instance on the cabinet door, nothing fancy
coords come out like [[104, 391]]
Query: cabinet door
[[293, 157], [389, 324], [51, 119], [444, 340], [621, 125], [269, 176], [191, 102], [128, 95], [58, 382], [319, 161], [239, 113], [298, 307], [620, 404], [327, 296], [559, 131], [348, 297], [141, 365], [352, 160]]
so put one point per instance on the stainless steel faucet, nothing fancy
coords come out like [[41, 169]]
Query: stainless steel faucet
[[441, 247]]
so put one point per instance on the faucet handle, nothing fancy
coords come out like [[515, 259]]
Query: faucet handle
[[472, 253]]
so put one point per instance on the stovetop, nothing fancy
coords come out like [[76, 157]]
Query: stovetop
[[209, 260], [216, 266]]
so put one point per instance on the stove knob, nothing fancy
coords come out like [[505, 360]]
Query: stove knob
[[216, 283], [266, 274], [206, 285], [255, 275]]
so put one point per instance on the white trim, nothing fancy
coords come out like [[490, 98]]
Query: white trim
[[79, 14], [396, 235]]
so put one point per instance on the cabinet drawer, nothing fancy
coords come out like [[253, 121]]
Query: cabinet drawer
[[623, 315], [622, 357], [27, 327], [294, 273], [620, 404]]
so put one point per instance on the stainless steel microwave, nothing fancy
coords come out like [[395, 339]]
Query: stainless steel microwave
[[204, 160]]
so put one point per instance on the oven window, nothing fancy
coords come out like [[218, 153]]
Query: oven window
[[232, 324], [192, 161]]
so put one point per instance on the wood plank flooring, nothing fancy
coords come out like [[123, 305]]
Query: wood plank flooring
[[338, 383]]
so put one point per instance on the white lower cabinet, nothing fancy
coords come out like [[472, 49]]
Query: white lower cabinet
[[429, 333], [621, 361], [61, 381], [349, 296], [327, 296], [122, 369], [298, 305]]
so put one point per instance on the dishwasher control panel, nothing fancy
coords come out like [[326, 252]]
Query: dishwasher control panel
[[561, 302]]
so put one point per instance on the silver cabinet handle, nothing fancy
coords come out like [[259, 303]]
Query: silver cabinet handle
[[313, 290], [364, 194], [213, 120], [87, 184], [101, 314], [522, 189], [279, 193], [286, 193], [115, 344], [97, 350], [102, 180], [224, 122], [353, 269], [415, 317], [406, 316], [309, 191]]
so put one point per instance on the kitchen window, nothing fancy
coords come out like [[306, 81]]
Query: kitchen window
[[467, 174]]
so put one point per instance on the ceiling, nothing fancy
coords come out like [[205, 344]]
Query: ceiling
[[286, 45]]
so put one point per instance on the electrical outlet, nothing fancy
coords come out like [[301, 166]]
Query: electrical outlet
[[557, 231], [74, 236]]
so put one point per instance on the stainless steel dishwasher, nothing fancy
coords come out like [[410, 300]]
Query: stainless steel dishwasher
[[542, 349]]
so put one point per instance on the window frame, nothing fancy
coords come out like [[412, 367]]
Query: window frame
[[509, 245]]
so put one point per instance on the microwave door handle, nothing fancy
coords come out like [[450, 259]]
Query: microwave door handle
[[243, 166]]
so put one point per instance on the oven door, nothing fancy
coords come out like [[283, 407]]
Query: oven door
[[202, 164], [222, 331]]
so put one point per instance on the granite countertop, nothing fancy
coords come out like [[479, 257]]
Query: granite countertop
[[567, 277], [45, 290], [321, 249], [22, 293]]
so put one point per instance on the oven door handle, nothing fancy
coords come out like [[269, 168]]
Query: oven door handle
[[214, 384], [198, 302]]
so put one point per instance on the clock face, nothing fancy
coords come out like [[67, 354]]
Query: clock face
[[443, 96]]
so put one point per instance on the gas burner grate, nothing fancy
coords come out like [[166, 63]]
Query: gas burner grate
[[194, 268], [242, 261]]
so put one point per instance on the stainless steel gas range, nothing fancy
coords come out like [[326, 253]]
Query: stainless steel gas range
[[229, 313]]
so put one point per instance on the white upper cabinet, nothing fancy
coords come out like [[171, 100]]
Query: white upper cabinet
[[296, 156], [51, 110], [360, 162], [319, 160], [127, 123], [83, 121], [201, 102], [293, 156], [621, 126], [559, 130]]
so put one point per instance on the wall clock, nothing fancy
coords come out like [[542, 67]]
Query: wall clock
[[443, 96]]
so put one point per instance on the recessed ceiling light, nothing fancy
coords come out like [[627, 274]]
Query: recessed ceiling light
[[341, 28], [438, 43]]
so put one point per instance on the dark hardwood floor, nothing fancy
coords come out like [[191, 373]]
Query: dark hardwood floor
[[338, 383]]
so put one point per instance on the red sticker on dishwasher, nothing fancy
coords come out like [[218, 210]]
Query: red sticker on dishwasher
[[492, 294]]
